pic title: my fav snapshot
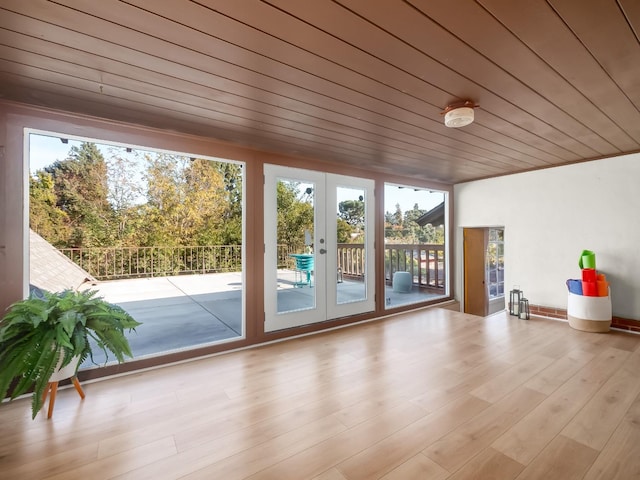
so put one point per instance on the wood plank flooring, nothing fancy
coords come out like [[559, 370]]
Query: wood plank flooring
[[433, 394]]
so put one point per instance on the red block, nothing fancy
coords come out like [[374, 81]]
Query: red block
[[588, 275], [589, 289]]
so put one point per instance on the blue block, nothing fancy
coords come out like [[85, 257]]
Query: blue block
[[575, 286]]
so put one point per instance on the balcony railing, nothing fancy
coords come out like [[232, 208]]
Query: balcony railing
[[351, 259], [424, 262], [110, 263], [284, 260]]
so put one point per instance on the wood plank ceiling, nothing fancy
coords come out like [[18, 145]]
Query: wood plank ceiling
[[359, 82]]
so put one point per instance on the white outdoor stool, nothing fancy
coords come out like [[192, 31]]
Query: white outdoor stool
[[401, 282]]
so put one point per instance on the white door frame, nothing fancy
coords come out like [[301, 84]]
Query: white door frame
[[326, 304]]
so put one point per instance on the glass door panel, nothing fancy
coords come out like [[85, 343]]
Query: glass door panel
[[350, 238], [294, 219], [295, 210], [351, 201]]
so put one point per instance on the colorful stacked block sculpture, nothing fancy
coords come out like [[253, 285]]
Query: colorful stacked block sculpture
[[589, 303], [593, 283]]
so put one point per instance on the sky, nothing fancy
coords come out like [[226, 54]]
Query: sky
[[407, 197], [46, 150]]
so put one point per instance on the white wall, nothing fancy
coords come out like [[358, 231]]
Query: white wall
[[550, 216]]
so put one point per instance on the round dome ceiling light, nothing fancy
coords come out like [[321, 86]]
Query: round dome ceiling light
[[459, 115]]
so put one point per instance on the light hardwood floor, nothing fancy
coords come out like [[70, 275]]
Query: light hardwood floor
[[434, 394]]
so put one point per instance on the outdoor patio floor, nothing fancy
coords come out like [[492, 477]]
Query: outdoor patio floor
[[182, 312]]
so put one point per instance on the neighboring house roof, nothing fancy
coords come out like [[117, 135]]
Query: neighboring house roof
[[51, 270], [435, 216]]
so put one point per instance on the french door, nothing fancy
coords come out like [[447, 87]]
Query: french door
[[319, 257]]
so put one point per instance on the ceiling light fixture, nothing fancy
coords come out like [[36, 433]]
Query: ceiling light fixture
[[459, 114]]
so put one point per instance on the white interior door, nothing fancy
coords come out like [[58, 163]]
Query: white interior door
[[311, 276]]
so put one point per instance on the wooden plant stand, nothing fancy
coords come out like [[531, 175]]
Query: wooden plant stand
[[53, 388]]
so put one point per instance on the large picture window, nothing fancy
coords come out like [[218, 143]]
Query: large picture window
[[416, 263], [159, 233]]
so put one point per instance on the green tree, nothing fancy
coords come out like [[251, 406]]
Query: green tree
[[351, 221], [45, 218], [411, 230], [393, 227], [352, 212], [124, 193], [417, 234], [186, 201], [81, 190], [344, 231], [295, 215], [438, 235], [230, 228], [397, 219], [410, 216]]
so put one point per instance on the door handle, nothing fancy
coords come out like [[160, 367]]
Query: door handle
[[322, 251]]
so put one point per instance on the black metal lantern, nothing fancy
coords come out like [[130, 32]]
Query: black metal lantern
[[523, 308], [514, 301]]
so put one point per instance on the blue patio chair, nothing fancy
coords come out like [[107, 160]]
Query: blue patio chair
[[304, 267]]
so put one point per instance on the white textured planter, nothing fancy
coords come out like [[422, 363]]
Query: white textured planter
[[67, 372], [589, 314], [61, 374]]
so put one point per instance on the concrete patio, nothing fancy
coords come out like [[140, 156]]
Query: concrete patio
[[178, 312]]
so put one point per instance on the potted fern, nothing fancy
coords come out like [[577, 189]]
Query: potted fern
[[46, 333]]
